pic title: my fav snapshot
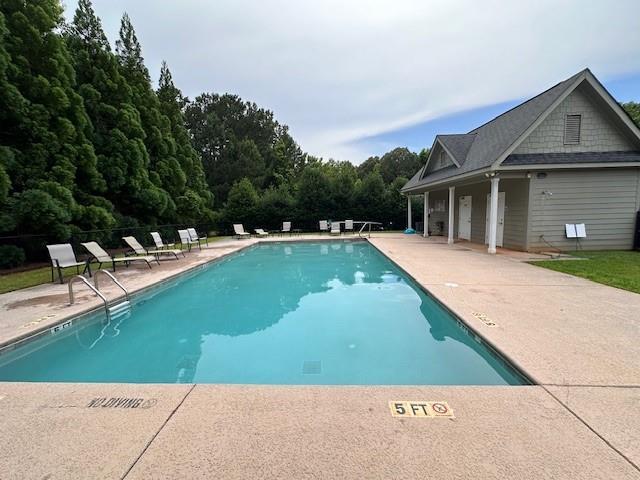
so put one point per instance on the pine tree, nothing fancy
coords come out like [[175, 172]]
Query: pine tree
[[117, 133], [196, 202], [164, 169]]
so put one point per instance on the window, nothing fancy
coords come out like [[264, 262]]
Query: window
[[572, 129]]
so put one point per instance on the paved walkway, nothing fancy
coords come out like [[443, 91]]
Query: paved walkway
[[578, 339]]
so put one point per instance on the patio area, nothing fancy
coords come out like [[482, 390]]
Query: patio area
[[575, 338]]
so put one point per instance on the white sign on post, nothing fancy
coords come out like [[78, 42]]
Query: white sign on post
[[575, 230]]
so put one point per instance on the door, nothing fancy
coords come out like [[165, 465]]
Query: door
[[500, 229], [464, 218]]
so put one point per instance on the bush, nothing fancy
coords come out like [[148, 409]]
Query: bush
[[11, 256]]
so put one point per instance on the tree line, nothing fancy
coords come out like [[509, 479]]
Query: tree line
[[88, 144]]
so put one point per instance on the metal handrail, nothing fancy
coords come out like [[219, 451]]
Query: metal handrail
[[108, 274], [94, 289], [364, 224]]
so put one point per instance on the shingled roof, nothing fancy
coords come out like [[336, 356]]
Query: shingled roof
[[483, 146]]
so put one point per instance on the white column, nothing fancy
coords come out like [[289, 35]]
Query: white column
[[408, 211], [426, 215], [452, 197], [493, 214]]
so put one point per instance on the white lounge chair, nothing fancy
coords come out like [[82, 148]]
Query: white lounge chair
[[348, 226], [286, 228], [335, 228], [261, 233], [62, 256], [160, 245], [101, 256], [324, 226], [185, 239], [195, 238], [140, 250], [238, 229]]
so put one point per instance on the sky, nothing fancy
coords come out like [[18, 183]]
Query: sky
[[357, 78]]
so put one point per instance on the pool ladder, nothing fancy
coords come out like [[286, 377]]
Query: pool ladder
[[113, 311]]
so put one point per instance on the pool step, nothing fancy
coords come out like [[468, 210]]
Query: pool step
[[119, 309]]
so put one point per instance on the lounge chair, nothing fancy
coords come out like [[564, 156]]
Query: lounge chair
[[185, 239], [261, 233], [195, 238], [160, 245], [335, 228], [238, 229], [324, 226], [101, 256], [286, 228], [348, 226], [140, 250], [62, 256]]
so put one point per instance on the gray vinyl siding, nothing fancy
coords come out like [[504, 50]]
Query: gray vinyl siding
[[600, 131], [516, 208], [605, 200]]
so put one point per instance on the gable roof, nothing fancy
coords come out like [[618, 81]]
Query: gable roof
[[457, 145], [489, 144]]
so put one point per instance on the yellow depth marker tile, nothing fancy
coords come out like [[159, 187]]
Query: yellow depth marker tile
[[420, 409]]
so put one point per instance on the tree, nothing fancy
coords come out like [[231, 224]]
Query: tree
[[196, 202], [370, 197], [396, 204], [633, 109], [232, 136], [368, 166], [314, 197], [275, 205], [242, 203], [44, 127], [399, 162], [165, 172]]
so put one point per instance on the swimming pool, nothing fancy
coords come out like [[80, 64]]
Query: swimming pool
[[333, 312]]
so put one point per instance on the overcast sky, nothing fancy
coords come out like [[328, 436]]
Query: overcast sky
[[353, 78]]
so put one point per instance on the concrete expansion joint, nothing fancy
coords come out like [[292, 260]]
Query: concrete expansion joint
[[581, 420], [155, 435]]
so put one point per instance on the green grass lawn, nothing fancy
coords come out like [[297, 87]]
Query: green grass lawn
[[30, 278], [614, 268]]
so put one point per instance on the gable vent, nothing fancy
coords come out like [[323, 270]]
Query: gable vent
[[572, 129]]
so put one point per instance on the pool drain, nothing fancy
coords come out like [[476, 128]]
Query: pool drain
[[311, 367]]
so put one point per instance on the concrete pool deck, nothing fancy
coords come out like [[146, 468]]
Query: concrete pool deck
[[577, 339]]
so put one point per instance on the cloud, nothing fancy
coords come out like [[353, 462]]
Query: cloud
[[338, 71]]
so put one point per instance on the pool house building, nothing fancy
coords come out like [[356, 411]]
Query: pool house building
[[558, 171]]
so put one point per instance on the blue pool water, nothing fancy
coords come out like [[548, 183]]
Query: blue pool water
[[286, 313]]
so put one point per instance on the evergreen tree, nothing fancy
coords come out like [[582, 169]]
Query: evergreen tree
[[633, 110], [194, 205], [44, 127], [165, 171]]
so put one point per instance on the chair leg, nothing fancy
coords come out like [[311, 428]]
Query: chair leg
[[60, 275], [52, 278]]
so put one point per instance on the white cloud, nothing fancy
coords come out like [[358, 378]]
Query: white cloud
[[336, 71]]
